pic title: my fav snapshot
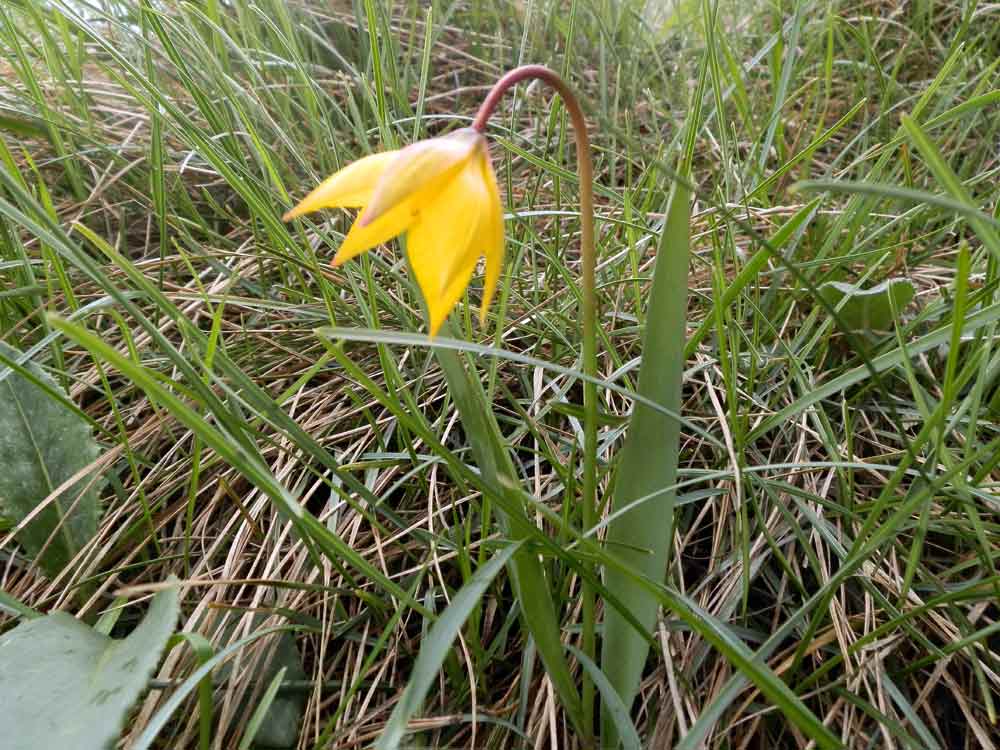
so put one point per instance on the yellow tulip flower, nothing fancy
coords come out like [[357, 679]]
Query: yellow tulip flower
[[443, 193]]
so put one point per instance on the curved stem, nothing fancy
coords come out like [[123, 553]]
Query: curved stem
[[585, 167]]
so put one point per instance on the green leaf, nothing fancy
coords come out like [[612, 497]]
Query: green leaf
[[437, 645], [788, 231], [74, 686], [872, 309], [569, 409], [15, 607], [164, 713], [945, 175], [42, 445], [640, 538]]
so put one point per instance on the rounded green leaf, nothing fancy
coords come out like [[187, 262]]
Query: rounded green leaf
[[874, 309], [63, 684]]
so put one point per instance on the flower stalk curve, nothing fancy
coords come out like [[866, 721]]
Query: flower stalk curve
[[588, 256]]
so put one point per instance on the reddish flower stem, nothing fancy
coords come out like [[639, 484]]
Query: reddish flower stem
[[588, 306]]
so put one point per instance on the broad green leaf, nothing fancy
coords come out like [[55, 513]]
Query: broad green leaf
[[280, 724], [63, 684], [873, 309], [641, 537], [436, 645], [42, 445]]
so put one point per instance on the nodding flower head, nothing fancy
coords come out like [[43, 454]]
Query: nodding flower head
[[442, 192]]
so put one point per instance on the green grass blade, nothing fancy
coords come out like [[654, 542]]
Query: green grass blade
[[879, 364], [960, 207], [616, 710], [235, 454], [951, 182], [260, 712], [790, 229], [16, 608], [528, 576], [436, 645], [162, 717]]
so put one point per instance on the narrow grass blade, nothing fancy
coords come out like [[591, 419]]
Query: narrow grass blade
[[951, 182], [616, 710], [203, 651], [162, 717], [879, 364], [527, 574], [436, 645], [893, 192], [16, 608], [260, 713], [642, 537], [791, 228], [236, 455]]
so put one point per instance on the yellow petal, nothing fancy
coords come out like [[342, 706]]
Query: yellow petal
[[492, 234], [350, 187], [418, 167], [441, 243], [395, 221], [384, 228], [442, 307]]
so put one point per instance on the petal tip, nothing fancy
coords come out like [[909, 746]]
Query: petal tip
[[434, 324]]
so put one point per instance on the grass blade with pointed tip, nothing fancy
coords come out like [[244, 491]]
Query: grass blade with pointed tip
[[250, 465], [944, 174], [262, 710], [527, 575], [617, 710], [436, 645], [16, 608], [162, 716], [881, 363]]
